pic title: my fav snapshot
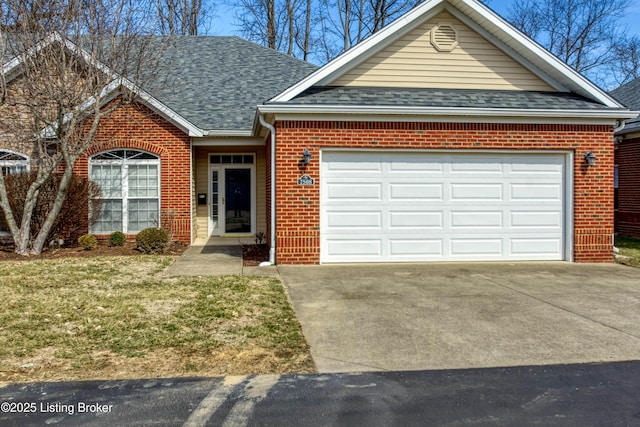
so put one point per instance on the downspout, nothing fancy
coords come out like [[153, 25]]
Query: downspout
[[272, 246], [621, 125]]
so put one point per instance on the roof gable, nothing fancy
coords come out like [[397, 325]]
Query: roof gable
[[486, 24], [416, 60]]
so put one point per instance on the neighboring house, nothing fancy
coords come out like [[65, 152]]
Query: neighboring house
[[627, 164], [447, 136]]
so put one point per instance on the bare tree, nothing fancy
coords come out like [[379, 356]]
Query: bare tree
[[183, 17], [70, 60], [283, 25], [626, 65], [585, 34], [348, 22]]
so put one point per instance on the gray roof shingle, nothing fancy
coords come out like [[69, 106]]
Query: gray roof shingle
[[217, 82], [629, 95], [447, 98]]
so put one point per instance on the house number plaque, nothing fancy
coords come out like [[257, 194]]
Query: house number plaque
[[306, 180]]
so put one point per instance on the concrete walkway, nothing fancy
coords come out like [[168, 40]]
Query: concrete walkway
[[217, 256]]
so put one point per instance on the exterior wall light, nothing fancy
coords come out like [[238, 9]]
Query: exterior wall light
[[590, 158], [306, 157]]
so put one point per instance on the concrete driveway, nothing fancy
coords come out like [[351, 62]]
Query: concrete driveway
[[447, 316]]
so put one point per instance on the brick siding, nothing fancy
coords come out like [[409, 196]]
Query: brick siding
[[627, 217], [298, 208], [135, 126]]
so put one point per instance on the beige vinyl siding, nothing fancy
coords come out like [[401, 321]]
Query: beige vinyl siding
[[202, 184], [412, 61]]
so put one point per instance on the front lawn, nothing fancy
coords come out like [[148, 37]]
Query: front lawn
[[118, 317], [629, 250]]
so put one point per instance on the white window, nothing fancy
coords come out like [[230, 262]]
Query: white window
[[130, 184], [12, 162]]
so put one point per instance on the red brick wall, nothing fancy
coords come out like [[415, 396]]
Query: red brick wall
[[298, 208], [628, 214], [135, 126]]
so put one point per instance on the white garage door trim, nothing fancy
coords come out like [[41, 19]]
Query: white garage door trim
[[369, 228]]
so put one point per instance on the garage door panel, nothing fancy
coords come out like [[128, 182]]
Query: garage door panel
[[476, 219], [353, 220], [355, 248], [539, 166], [477, 247], [467, 192], [403, 191], [412, 166], [536, 192], [535, 247], [442, 206], [536, 219], [416, 247], [473, 164], [355, 191], [415, 220]]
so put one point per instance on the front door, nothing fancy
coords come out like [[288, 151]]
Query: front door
[[232, 207]]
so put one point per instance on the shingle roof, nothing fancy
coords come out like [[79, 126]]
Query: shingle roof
[[214, 82], [452, 98], [217, 82], [629, 95]]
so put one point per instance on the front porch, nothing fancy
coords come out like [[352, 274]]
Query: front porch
[[229, 192]]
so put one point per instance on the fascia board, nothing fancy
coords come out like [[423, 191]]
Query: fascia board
[[446, 111], [353, 55], [242, 133], [13, 65]]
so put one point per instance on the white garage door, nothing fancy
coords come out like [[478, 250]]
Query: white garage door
[[393, 207]]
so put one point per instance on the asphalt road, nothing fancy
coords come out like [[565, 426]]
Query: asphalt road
[[562, 395]]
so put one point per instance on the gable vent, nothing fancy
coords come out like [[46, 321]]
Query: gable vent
[[444, 37]]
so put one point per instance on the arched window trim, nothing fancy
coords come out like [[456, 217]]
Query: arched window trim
[[121, 198], [12, 164]]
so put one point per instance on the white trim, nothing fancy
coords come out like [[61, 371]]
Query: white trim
[[124, 193], [26, 162], [106, 94], [228, 133], [221, 168], [569, 205], [486, 18], [431, 113], [228, 141]]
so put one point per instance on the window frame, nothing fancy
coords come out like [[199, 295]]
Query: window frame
[[25, 162], [125, 197]]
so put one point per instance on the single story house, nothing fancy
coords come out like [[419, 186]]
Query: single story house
[[446, 136], [627, 164]]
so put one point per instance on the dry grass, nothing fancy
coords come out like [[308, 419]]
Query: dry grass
[[117, 317], [629, 251]]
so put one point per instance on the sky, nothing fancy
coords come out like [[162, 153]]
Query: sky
[[223, 24], [632, 20]]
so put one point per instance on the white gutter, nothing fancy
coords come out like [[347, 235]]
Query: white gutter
[[445, 111], [272, 132], [620, 126]]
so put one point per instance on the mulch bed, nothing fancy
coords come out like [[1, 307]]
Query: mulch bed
[[103, 249], [253, 255]]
